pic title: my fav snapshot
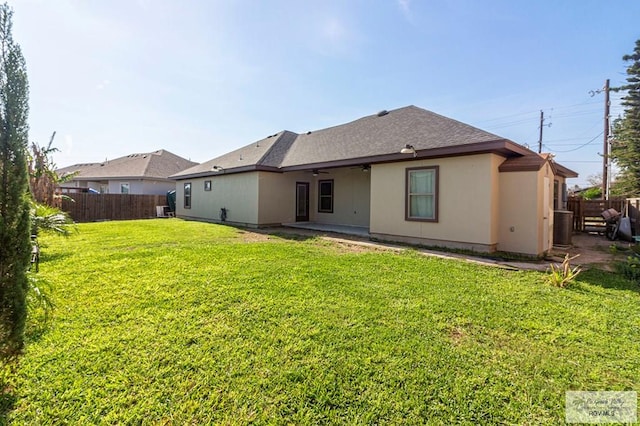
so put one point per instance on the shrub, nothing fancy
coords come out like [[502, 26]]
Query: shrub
[[563, 275], [630, 268], [39, 303], [50, 219]]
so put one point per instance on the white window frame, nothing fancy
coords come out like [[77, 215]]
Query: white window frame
[[187, 195]]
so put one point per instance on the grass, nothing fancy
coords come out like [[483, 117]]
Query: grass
[[172, 322]]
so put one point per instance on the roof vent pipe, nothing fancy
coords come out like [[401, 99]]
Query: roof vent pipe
[[383, 113]]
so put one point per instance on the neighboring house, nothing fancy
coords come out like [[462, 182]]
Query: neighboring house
[[407, 175], [146, 173]]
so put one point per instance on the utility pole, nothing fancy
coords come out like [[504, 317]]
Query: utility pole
[[605, 149], [541, 126], [540, 140]]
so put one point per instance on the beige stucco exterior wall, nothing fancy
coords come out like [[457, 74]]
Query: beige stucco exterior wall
[[267, 198], [496, 160], [277, 197], [523, 218], [238, 193], [351, 186], [351, 197], [468, 203], [479, 208], [519, 209]]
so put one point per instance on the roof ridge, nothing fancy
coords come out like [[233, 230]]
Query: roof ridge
[[374, 115], [280, 138], [498, 137], [147, 158], [268, 150]]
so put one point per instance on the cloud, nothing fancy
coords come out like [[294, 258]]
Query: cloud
[[103, 84], [405, 8], [334, 30], [335, 36]]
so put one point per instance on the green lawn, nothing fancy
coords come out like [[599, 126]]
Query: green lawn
[[173, 322]]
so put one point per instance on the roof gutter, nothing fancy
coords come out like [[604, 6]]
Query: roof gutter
[[99, 178], [223, 171], [502, 147]]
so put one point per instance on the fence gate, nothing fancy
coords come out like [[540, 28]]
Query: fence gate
[[587, 213]]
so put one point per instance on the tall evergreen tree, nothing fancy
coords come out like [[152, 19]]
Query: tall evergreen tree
[[625, 150], [15, 246]]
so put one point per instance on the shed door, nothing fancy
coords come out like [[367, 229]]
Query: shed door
[[302, 201]]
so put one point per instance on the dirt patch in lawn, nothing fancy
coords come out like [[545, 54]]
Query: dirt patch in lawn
[[456, 335], [593, 250], [341, 243], [254, 237]]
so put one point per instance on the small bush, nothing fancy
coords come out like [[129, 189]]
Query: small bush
[[630, 268], [39, 304], [562, 275]]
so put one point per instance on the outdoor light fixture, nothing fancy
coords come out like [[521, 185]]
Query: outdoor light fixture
[[366, 168], [315, 172], [408, 149]]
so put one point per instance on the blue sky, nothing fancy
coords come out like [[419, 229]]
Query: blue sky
[[200, 78]]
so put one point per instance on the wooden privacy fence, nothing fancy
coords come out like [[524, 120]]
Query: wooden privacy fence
[[85, 207], [587, 214]]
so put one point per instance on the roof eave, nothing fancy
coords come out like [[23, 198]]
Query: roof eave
[[89, 178], [235, 170], [564, 171], [503, 147]]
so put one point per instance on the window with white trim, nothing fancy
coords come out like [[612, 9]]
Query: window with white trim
[[187, 195], [124, 188]]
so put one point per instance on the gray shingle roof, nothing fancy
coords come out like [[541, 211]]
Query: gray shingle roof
[[387, 134], [365, 139], [267, 152], [152, 165]]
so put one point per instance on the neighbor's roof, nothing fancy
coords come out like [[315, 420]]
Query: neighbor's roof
[[372, 139], [152, 165]]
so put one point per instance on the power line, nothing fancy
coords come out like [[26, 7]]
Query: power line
[[575, 105], [563, 144], [506, 116], [577, 113], [581, 146], [531, 120], [510, 123], [531, 113], [567, 139]]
